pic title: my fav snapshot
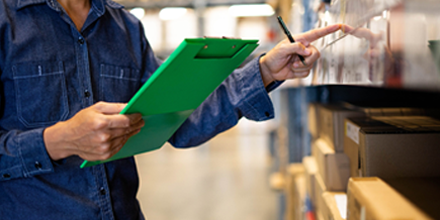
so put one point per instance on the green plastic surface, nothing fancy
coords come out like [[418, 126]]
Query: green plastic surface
[[191, 73]]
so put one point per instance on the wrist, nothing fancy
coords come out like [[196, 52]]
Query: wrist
[[54, 142], [266, 75]]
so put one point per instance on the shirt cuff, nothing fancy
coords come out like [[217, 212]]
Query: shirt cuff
[[33, 155], [257, 105]]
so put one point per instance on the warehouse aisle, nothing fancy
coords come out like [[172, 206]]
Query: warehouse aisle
[[224, 179]]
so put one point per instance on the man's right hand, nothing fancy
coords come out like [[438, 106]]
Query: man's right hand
[[95, 133]]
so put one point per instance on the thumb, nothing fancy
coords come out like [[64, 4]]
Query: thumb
[[305, 52]]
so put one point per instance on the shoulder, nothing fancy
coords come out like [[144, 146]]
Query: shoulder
[[117, 10], [122, 16]]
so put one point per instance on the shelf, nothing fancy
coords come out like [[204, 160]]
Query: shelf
[[387, 43]]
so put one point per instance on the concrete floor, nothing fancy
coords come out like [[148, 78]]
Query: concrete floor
[[224, 179]]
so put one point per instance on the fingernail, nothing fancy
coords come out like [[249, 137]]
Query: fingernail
[[295, 65]]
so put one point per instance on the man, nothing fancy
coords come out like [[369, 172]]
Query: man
[[65, 68]]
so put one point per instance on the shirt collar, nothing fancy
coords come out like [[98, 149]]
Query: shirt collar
[[98, 5]]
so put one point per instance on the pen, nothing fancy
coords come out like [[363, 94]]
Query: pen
[[287, 32]]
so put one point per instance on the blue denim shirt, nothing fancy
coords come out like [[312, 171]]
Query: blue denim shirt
[[49, 71]]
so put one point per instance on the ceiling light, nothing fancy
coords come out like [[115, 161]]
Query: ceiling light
[[251, 10], [138, 12], [172, 13]]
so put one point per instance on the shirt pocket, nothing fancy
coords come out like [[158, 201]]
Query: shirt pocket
[[118, 84], [41, 94]]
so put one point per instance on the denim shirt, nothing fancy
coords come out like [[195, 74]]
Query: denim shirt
[[49, 71]]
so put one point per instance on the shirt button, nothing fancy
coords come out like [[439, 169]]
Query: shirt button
[[6, 176], [102, 191], [81, 40], [87, 94], [38, 165], [267, 114]]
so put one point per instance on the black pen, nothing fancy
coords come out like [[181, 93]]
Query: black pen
[[287, 32]]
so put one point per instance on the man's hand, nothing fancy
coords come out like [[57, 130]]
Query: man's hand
[[282, 61], [94, 133]]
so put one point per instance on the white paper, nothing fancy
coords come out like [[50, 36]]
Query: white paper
[[341, 202], [352, 131]]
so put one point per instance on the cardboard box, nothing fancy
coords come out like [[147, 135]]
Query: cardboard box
[[395, 146], [372, 198], [331, 119], [295, 191], [333, 167], [319, 190], [385, 109], [351, 140], [311, 169], [422, 192], [313, 121], [335, 205]]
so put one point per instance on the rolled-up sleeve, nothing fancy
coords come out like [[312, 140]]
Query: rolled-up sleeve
[[242, 94]]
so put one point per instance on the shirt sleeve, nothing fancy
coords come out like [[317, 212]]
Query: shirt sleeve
[[242, 94], [23, 154]]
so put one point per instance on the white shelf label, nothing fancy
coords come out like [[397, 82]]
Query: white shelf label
[[352, 131], [341, 202]]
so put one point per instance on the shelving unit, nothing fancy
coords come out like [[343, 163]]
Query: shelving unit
[[386, 59]]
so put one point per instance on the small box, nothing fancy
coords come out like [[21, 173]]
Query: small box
[[319, 190], [351, 140], [393, 147], [422, 192], [385, 109], [313, 121], [335, 205], [331, 119], [333, 167], [311, 169], [372, 198]]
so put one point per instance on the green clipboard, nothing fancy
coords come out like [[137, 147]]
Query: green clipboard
[[190, 74]]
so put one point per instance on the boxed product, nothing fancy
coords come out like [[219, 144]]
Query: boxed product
[[351, 140], [385, 109], [335, 205], [333, 167], [295, 191], [393, 147], [372, 198], [422, 192], [331, 120], [313, 121], [319, 190], [311, 169]]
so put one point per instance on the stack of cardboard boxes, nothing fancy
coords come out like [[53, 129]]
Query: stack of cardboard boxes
[[358, 156]]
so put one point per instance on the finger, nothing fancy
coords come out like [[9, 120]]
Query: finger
[[310, 36], [346, 28], [119, 132], [109, 108], [122, 121], [301, 69], [294, 48], [311, 54], [302, 74], [120, 142]]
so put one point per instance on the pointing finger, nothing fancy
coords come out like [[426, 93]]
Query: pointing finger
[[310, 36]]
